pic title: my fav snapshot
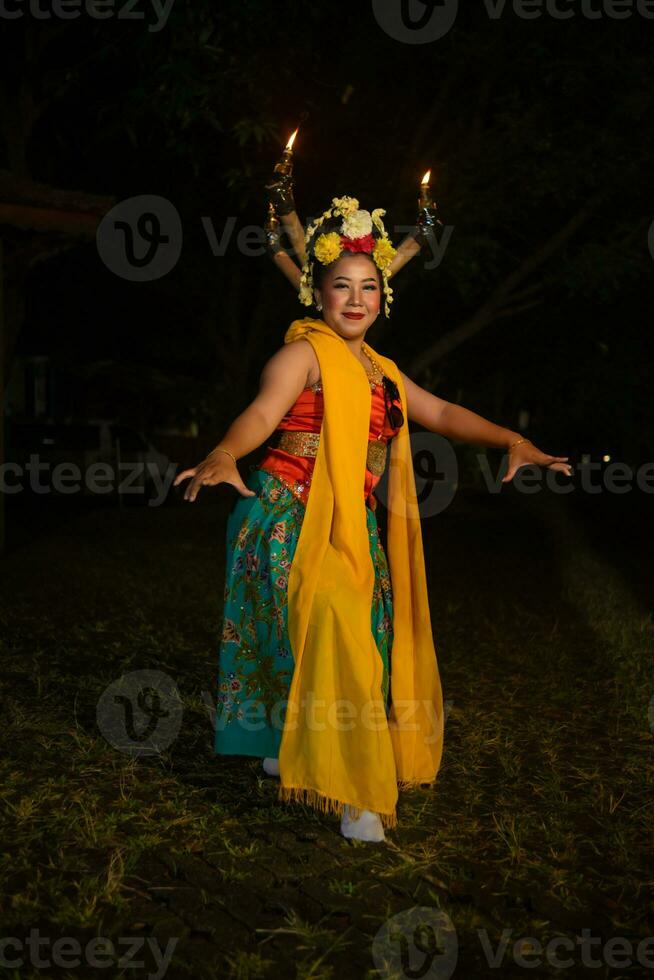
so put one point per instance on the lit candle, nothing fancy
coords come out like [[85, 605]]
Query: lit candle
[[285, 164], [284, 204], [425, 201], [414, 240]]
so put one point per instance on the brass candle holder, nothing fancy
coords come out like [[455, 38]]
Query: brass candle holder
[[284, 165], [281, 191], [280, 257], [424, 228]]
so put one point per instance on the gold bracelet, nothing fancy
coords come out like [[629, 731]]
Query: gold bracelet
[[223, 451], [517, 443]]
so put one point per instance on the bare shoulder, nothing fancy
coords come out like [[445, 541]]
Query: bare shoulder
[[305, 349], [296, 358], [283, 378]]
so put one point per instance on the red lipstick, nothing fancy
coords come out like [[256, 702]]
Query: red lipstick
[[354, 316]]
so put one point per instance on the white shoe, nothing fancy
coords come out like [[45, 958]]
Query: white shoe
[[366, 827], [271, 766]]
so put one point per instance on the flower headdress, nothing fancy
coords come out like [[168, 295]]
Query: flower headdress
[[354, 235]]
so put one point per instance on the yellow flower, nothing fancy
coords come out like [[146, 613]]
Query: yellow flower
[[328, 247], [305, 293], [383, 253], [344, 205], [377, 219]]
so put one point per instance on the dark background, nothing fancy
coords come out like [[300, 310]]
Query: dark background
[[539, 136]]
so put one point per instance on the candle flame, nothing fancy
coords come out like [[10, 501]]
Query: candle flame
[[289, 145], [425, 179]]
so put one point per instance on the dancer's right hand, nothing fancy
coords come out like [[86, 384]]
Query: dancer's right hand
[[216, 468]]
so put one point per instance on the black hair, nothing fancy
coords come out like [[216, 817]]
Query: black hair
[[318, 270]]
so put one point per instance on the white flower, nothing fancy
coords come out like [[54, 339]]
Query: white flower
[[357, 224]]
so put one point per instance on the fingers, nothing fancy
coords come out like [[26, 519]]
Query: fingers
[[193, 489], [197, 482], [183, 476], [551, 462], [243, 490]]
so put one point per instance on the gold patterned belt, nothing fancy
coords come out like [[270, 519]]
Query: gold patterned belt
[[306, 444]]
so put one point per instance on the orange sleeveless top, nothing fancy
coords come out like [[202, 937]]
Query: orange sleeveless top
[[306, 416]]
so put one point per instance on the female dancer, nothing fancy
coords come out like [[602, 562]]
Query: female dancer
[[316, 620]]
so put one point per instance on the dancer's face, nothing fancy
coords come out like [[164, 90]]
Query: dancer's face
[[350, 295]]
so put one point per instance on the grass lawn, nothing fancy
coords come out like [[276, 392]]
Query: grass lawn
[[539, 826]]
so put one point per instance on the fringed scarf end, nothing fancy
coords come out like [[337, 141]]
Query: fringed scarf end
[[328, 805], [403, 784]]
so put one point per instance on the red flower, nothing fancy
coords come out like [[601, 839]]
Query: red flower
[[364, 244]]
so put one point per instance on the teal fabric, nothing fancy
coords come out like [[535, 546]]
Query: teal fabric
[[255, 662]]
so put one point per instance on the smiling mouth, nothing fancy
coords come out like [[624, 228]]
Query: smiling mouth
[[354, 316]]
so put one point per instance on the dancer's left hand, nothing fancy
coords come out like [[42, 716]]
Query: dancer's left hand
[[526, 453]]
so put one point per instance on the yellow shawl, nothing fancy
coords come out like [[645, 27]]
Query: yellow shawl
[[337, 745]]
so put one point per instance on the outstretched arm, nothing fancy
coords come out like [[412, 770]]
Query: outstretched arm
[[456, 422]]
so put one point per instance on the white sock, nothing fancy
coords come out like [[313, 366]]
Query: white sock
[[271, 766], [366, 827]]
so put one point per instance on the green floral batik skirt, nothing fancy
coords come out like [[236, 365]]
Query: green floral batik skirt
[[255, 658]]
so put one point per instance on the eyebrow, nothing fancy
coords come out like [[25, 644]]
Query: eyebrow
[[369, 278]]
